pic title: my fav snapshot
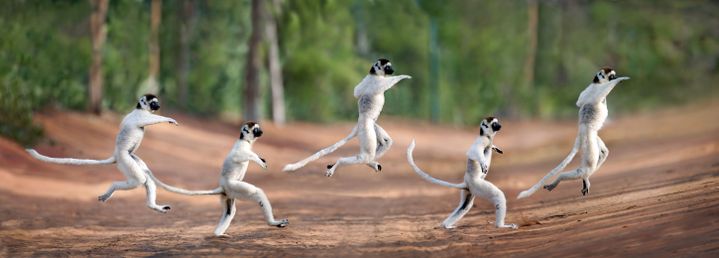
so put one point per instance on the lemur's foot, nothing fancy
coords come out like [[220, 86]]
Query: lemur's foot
[[375, 166], [585, 191], [281, 223], [223, 235], [512, 226], [550, 187], [161, 208], [104, 197], [448, 226]]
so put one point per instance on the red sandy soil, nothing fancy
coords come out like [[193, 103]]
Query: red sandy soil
[[657, 194]]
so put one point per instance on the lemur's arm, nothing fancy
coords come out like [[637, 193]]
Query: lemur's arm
[[256, 158], [604, 90], [151, 119], [497, 149], [478, 155], [390, 81]]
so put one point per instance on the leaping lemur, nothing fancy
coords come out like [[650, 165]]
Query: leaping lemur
[[593, 112], [374, 141], [231, 185], [132, 130], [479, 157]]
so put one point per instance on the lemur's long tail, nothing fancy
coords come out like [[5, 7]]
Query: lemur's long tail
[[71, 161], [299, 164], [178, 190], [426, 176], [560, 167]]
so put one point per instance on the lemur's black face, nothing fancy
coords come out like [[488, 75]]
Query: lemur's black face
[[381, 67], [605, 75], [148, 102], [489, 125], [250, 131]]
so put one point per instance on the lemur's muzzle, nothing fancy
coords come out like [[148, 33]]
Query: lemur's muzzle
[[388, 70], [496, 127], [257, 132], [154, 105]]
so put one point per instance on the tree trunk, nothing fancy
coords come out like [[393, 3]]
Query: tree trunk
[[154, 68], [529, 62], [276, 85], [252, 69], [187, 20], [434, 70], [99, 32]]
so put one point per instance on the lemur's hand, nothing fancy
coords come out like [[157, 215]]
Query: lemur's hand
[[405, 76], [621, 78], [172, 121], [484, 167], [498, 150], [264, 163]]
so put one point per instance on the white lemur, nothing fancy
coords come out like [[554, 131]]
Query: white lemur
[[374, 141], [231, 185], [132, 130], [479, 157], [593, 112]]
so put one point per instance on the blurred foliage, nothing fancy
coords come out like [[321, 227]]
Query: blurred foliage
[[669, 48]]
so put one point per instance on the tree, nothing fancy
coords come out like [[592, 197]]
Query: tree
[[151, 84], [529, 62], [98, 30], [252, 100], [276, 85], [187, 23]]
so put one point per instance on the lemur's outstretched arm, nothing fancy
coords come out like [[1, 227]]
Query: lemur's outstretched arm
[[151, 119], [390, 81], [605, 89]]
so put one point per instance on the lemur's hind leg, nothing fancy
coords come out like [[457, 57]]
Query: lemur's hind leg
[[151, 190], [249, 191], [466, 200], [118, 185], [359, 159], [574, 174], [384, 143], [228, 213], [129, 168], [603, 152], [500, 206], [150, 187], [585, 186]]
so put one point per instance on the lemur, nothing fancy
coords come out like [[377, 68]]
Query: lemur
[[231, 185], [374, 141], [479, 157], [593, 112], [132, 130]]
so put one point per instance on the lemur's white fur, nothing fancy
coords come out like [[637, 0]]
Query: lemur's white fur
[[374, 141], [592, 103], [479, 158], [231, 185], [132, 130]]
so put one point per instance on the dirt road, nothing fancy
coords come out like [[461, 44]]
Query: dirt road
[[657, 194]]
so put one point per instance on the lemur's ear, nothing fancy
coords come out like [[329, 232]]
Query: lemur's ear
[[596, 79], [138, 105]]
